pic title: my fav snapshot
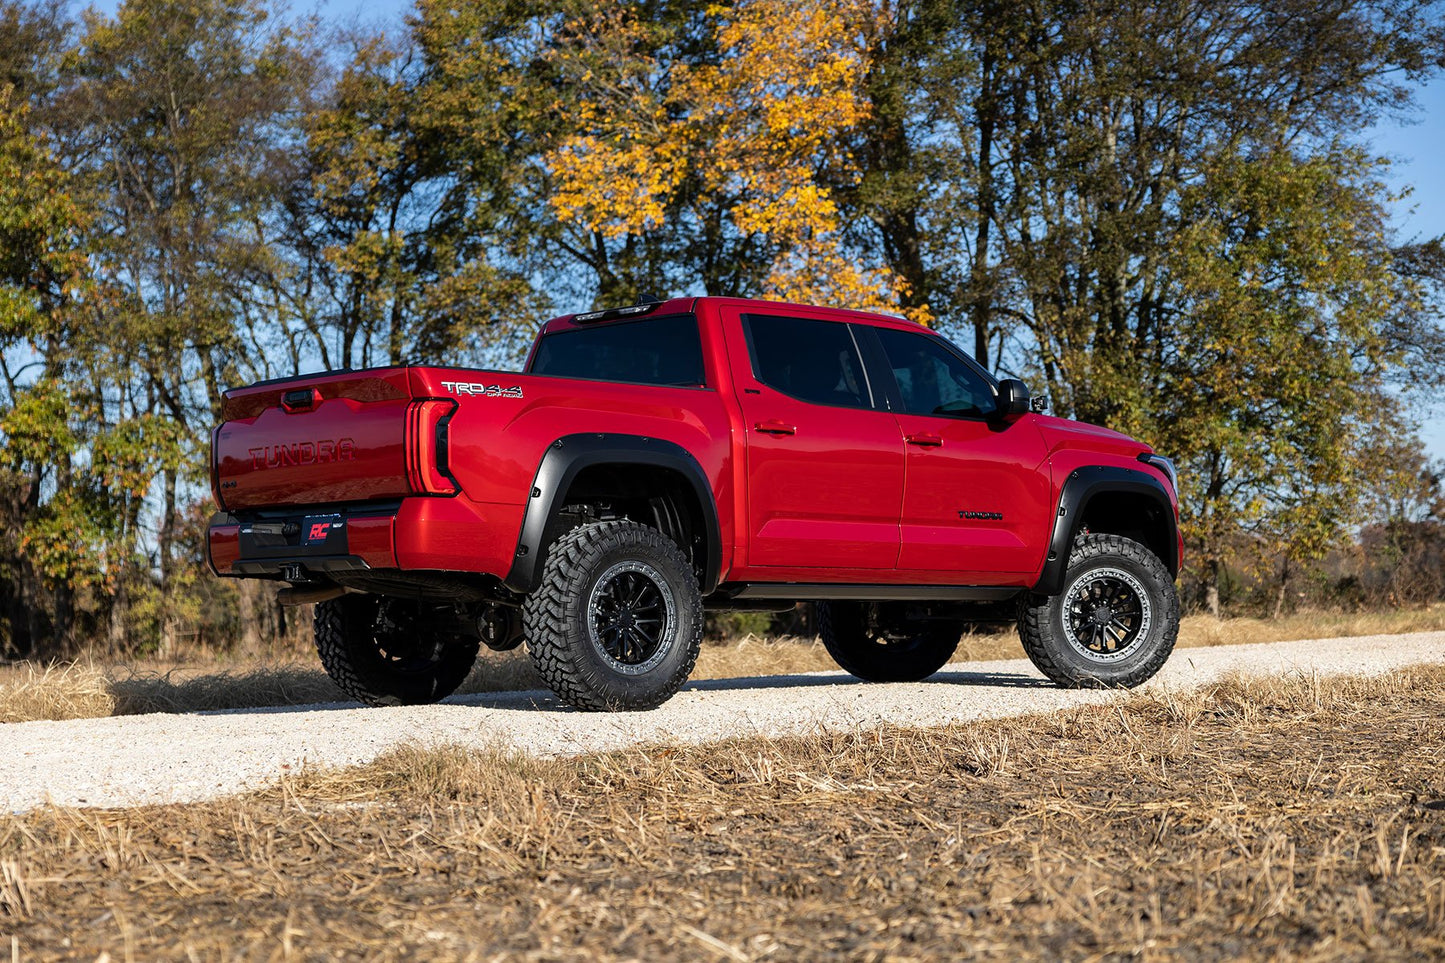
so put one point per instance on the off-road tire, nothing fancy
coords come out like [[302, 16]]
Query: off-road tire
[[560, 619], [351, 653], [1133, 570], [923, 649]]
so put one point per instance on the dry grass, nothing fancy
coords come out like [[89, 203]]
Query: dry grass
[[1263, 819], [1196, 630], [91, 689], [88, 690], [1201, 630]]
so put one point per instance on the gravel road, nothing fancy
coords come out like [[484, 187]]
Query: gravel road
[[134, 760]]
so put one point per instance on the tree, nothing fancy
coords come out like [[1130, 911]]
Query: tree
[[33, 37], [746, 149], [1155, 211], [1274, 383], [399, 226], [176, 110], [52, 527]]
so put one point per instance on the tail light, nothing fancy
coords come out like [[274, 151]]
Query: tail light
[[216, 469], [426, 447]]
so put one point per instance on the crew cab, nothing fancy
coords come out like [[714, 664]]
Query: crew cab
[[658, 460]]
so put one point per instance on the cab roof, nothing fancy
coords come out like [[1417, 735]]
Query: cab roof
[[655, 306]]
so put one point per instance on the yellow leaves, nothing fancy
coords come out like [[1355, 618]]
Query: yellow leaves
[[618, 173], [762, 133], [815, 273], [786, 204], [780, 107], [616, 188], [780, 104]]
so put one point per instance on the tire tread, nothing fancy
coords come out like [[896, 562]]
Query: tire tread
[[1037, 634], [337, 640], [551, 636]]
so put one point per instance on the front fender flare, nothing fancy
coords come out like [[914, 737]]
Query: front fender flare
[[1082, 485]]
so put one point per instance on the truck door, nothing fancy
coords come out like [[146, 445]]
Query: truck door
[[976, 505], [824, 463]]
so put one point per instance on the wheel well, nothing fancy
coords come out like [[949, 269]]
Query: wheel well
[[1134, 517], [651, 494]]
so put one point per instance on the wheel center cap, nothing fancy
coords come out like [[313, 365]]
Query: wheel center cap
[[625, 620], [1102, 615]]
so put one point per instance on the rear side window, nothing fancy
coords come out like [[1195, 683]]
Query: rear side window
[[654, 351], [814, 361], [932, 380]]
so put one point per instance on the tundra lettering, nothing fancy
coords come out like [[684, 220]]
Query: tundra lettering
[[303, 453]]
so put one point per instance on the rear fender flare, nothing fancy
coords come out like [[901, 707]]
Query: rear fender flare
[[566, 458], [1082, 485]]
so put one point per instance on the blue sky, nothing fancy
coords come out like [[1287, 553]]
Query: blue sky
[[1415, 146], [363, 9]]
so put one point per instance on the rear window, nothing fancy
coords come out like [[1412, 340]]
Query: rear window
[[814, 361], [653, 351]]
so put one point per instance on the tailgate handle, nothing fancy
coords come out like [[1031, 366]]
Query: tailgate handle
[[301, 400]]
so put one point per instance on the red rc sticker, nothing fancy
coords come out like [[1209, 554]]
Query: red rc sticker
[[319, 531]]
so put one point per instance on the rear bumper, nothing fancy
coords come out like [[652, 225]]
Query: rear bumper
[[421, 533]]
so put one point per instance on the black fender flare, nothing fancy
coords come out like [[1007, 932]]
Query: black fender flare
[[1082, 485], [565, 459]]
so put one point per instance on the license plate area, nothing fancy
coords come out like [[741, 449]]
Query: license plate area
[[322, 530], [298, 536]]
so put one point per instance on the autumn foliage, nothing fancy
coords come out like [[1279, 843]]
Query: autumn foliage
[[1157, 214]]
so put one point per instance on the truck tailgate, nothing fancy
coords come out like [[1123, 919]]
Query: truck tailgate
[[343, 437]]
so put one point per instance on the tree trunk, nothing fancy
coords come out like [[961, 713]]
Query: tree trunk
[[1211, 587], [64, 628], [255, 603], [166, 545], [1281, 589], [41, 641], [64, 595], [980, 281], [21, 644], [119, 614]]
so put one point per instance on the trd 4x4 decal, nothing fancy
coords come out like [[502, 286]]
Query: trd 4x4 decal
[[477, 389]]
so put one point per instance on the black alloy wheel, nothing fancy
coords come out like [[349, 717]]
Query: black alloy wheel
[[633, 613], [1107, 614], [1115, 622]]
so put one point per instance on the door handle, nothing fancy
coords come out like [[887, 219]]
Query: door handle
[[925, 440], [774, 427]]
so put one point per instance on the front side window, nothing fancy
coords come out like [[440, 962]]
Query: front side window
[[814, 361], [654, 351], [932, 379]]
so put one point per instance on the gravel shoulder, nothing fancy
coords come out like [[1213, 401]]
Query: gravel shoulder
[[139, 760]]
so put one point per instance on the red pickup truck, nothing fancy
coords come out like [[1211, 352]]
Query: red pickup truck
[[655, 461]]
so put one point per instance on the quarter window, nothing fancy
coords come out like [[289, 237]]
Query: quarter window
[[655, 351], [810, 360], [932, 379]]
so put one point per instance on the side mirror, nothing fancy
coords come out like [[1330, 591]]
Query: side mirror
[[1013, 398]]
